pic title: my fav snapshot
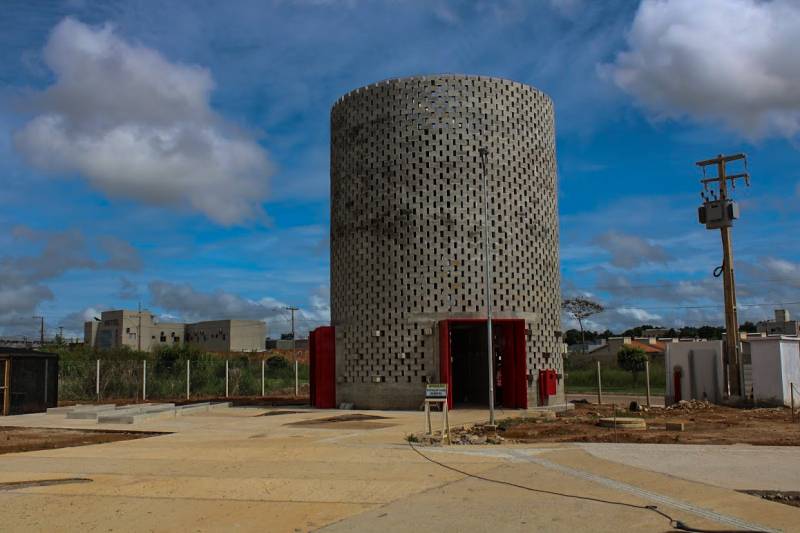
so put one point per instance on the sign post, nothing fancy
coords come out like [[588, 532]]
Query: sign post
[[437, 393]]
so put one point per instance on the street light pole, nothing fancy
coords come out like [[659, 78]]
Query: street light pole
[[488, 269], [41, 330]]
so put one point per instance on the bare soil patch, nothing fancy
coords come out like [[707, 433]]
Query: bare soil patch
[[276, 413], [353, 421], [16, 485], [787, 497], [709, 424], [253, 401], [16, 439]]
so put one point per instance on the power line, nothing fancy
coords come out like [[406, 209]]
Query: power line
[[619, 307], [668, 284]]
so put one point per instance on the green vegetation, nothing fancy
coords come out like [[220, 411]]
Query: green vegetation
[[616, 380], [633, 360], [573, 336], [122, 370]]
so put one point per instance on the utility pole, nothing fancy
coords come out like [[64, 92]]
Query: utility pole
[[718, 212], [139, 329], [292, 309], [484, 152], [41, 330]]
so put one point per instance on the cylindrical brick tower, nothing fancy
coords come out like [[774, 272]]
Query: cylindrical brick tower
[[407, 248]]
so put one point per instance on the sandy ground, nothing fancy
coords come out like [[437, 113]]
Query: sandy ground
[[234, 469]]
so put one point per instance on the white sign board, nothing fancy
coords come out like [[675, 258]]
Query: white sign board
[[436, 390]]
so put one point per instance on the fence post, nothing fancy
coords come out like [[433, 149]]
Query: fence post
[[647, 378], [263, 388], [97, 381], [296, 380], [226, 378], [791, 395], [144, 379], [187, 379], [599, 386]]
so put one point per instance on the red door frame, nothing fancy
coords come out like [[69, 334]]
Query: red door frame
[[322, 367], [515, 378]]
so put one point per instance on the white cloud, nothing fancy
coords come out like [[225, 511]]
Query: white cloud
[[23, 277], [73, 322], [629, 251], [183, 300], [729, 61], [639, 315], [136, 125]]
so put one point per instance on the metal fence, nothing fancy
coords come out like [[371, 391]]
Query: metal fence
[[138, 380]]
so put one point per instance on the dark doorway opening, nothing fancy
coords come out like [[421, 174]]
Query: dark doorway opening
[[465, 368], [470, 378]]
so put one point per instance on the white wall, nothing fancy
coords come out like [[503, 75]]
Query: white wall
[[702, 376], [775, 363]]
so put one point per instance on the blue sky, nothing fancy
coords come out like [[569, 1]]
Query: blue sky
[[177, 153]]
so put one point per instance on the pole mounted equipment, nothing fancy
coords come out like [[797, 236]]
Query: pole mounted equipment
[[718, 212]]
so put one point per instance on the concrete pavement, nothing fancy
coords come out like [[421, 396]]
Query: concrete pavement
[[235, 469]]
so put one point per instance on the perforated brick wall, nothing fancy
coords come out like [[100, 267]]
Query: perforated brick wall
[[407, 219]]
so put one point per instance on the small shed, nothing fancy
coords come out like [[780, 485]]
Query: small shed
[[775, 364], [28, 381], [695, 371]]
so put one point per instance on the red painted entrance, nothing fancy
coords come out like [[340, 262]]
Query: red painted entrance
[[322, 367], [511, 378]]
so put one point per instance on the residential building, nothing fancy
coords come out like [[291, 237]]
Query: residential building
[[607, 353], [227, 335], [139, 330], [781, 325]]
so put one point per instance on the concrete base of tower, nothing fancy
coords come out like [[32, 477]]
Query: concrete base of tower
[[381, 396]]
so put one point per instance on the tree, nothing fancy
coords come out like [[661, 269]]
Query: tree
[[632, 359], [277, 362], [638, 331], [748, 327], [580, 309]]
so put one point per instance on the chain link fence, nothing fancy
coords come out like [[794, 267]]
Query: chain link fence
[[178, 379]]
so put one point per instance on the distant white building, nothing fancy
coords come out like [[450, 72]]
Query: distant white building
[[781, 325], [139, 330]]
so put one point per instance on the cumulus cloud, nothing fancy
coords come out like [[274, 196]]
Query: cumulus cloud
[[73, 322], [730, 61], [630, 251], [776, 271], [128, 290], [185, 301], [23, 277], [136, 125]]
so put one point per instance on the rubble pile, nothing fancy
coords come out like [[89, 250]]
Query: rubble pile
[[477, 434], [469, 434], [690, 405]]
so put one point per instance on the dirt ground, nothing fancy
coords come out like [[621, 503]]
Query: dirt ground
[[708, 424], [275, 400], [13, 439], [349, 421]]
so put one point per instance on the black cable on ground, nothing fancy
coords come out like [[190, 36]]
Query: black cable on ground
[[677, 524]]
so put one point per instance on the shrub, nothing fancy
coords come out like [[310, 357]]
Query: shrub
[[632, 359]]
